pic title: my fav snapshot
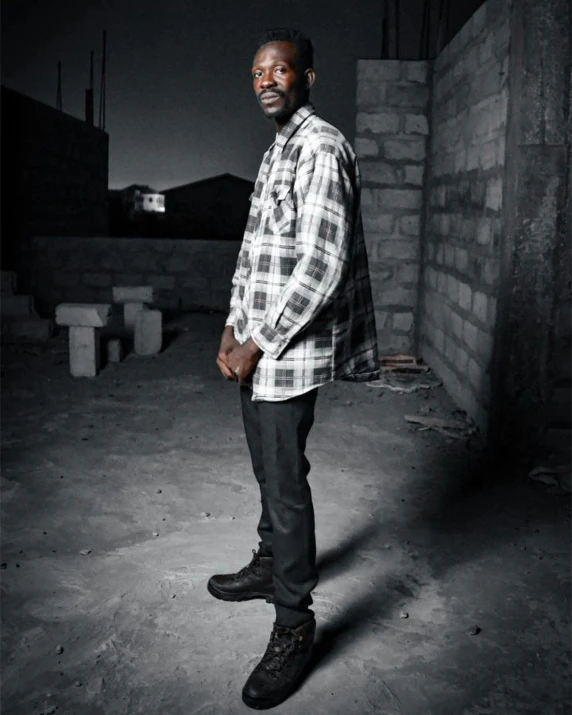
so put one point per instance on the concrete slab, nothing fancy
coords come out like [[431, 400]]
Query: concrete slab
[[132, 294], [93, 315], [122, 496]]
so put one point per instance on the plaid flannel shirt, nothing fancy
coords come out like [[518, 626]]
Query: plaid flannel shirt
[[301, 289]]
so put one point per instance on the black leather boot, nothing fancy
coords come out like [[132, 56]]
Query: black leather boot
[[253, 581], [282, 667]]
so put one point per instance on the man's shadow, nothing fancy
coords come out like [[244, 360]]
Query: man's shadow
[[452, 501]]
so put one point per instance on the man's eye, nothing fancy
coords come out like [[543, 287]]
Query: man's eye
[[281, 70]]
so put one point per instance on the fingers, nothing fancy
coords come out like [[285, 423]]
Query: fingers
[[224, 368]]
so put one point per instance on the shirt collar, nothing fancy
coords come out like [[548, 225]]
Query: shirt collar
[[293, 124]]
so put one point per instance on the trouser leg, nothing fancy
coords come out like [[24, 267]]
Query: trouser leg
[[251, 421], [284, 428]]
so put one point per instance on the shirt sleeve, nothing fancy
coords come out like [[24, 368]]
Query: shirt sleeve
[[324, 233], [231, 319]]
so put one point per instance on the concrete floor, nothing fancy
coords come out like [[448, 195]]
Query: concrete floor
[[146, 468]]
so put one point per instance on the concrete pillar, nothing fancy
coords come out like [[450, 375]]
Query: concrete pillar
[[148, 332], [84, 352], [83, 320], [114, 350]]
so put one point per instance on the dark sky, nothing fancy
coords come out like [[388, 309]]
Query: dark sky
[[180, 104]]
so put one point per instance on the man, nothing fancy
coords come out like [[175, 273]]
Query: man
[[301, 315]]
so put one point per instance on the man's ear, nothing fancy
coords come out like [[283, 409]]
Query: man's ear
[[310, 77]]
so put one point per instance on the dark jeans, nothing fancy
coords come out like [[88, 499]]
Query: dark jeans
[[276, 433]]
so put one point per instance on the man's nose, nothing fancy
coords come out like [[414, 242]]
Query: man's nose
[[268, 80]]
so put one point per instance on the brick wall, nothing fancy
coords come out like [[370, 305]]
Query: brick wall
[[391, 138], [460, 281], [186, 274]]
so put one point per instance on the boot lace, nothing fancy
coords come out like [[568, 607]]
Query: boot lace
[[255, 561], [282, 644]]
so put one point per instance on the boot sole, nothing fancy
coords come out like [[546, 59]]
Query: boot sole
[[267, 703], [248, 596]]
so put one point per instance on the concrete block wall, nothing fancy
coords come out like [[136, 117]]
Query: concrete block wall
[[185, 274], [391, 141], [461, 256]]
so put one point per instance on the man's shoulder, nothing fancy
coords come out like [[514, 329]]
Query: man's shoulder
[[320, 135]]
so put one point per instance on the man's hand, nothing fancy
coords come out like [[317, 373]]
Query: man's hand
[[243, 360], [228, 343]]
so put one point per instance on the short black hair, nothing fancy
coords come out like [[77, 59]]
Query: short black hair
[[302, 42]]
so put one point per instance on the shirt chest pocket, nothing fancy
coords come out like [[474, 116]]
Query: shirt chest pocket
[[281, 214]]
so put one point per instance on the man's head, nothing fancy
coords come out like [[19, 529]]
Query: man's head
[[282, 73]]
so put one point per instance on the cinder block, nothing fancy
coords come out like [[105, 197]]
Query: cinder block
[[130, 313], [465, 296], [9, 282], [408, 273], [379, 173], [16, 306], [410, 150], [490, 272], [85, 315], [403, 321], [114, 350], [408, 96], [398, 297], [461, 260], [366, 147], [416, 124], [414, 175], [397, 249], [480, 306], [148, 332], [484, 232], [132, 294], [416, 71], [379, 223], [84, 351], [493, 198], [370, 94], [379, 70], [378, 123], [410, 225], [399, 199], [453, 289]]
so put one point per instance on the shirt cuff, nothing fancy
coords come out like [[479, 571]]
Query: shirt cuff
[[265, 343]]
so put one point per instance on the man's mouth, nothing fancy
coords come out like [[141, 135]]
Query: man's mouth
[[269, 97]]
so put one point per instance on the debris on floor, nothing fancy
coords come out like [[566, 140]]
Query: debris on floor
[[556, 477], [458, 429], [404, 374]]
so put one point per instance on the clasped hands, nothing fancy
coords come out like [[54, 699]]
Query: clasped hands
[[235, 361]]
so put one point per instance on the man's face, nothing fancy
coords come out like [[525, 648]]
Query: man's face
[[280, 86]]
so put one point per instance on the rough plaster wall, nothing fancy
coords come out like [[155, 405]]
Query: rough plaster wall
[[532, 409], [460, 279], [391, 138], [185, 274]]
